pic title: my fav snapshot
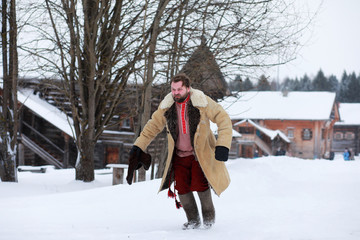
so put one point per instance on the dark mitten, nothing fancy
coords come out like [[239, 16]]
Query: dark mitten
[[137, 158], [221, 153]]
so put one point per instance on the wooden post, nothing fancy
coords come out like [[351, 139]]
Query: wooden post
[[66, 151], [141, 175], [357, 139], [118, 175], [21, 154], [135, 176], [317, 140]]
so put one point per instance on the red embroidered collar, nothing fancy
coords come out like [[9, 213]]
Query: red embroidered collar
[[183, 113]]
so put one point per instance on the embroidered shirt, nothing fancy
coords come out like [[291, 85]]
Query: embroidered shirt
[[183, 143]]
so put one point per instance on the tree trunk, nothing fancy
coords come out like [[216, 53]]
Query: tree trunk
[[86, 138], [85, 163], [8, 165], [9, 118], [145, 108], [4, 45]]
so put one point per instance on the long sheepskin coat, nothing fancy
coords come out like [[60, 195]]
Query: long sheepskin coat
[[201, 109]]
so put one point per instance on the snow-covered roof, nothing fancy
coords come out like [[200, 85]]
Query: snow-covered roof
[[47, 111], [214, 129], [275, 105], [349, 114], [271, 133], [52, 114]]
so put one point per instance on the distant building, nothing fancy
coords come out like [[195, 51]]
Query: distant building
[[347, 131], [299, 124]]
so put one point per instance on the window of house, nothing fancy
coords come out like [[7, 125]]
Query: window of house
[[332, 115], [246, 130], [306, 134], [338, 135], [290, 132], [323, 132], [125, 123], [349, 136]]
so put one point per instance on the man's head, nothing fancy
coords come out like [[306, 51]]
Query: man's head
[[180, 87]]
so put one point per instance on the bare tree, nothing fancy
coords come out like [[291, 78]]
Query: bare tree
[[105, 37], [96, 47], [9, 114]]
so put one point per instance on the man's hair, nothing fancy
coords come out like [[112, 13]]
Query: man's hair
[[181, 77]]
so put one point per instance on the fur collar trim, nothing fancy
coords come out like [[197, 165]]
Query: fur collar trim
[[197, 98]]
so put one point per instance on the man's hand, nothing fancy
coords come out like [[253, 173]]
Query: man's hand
[[221, 153], [137, 158]]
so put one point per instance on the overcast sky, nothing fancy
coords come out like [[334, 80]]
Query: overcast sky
[[334, 44]]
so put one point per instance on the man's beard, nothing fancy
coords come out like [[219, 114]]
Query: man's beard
[[179, 99]]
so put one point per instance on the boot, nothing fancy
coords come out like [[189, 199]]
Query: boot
[[189, 204], [207, 208]]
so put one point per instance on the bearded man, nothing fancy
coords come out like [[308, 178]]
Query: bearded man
[[195, 160]]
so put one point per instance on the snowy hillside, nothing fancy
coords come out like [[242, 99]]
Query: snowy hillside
[[272, 198]]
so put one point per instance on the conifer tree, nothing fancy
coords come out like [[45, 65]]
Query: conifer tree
[[274, 86], [235, 85], [353, 91], [296, 85], [247, 85], [333, 83], [320, 82], [343, 88], [288, 84], [263, 84], [305, 83]]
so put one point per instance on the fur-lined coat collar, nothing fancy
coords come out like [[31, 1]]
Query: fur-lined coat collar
[[197, 98]]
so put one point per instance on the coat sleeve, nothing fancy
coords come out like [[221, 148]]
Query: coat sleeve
[[219, 116], [151, 129]]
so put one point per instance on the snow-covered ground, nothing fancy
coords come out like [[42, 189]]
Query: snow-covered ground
[[272, 198]]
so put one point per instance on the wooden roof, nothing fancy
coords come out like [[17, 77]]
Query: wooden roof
[[205, 73]]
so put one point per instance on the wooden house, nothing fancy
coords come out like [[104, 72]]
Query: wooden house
[[347, 131], [306, 119], [47, 134], [257, 140]]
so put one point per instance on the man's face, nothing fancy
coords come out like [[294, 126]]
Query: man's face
[[179, 92]]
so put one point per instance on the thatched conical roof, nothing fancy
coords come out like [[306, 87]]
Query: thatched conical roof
[[205, 73]]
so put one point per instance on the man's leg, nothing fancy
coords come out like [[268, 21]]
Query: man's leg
[[200, 184], [192, 214], [207, 208], [182, 169]]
